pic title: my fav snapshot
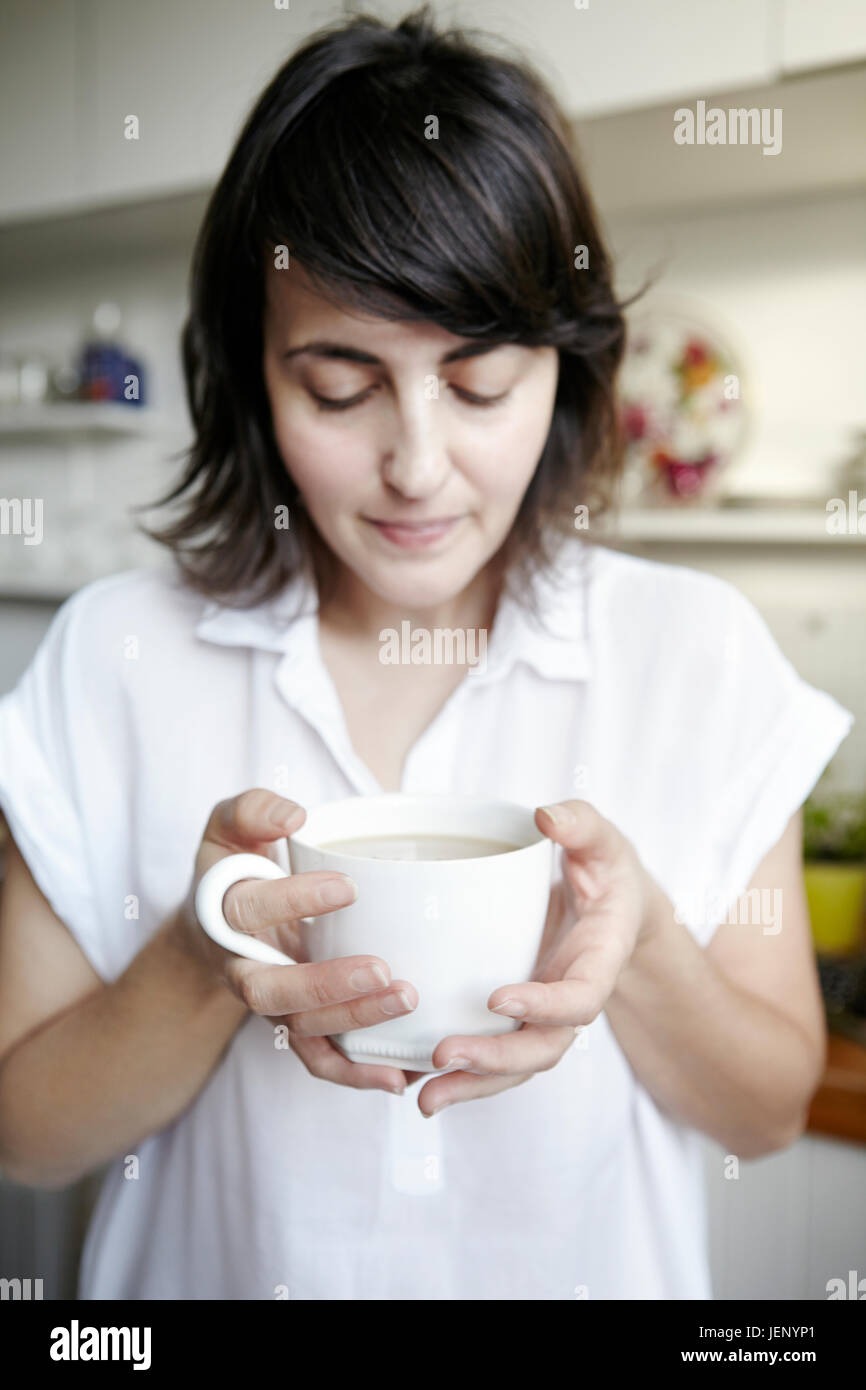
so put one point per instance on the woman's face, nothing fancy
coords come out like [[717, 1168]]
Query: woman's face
[[411, 450]]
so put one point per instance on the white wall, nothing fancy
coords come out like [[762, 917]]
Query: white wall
[[783, 1225], [787, 279]]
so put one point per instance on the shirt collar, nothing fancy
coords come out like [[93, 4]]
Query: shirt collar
[[553, 640], [270, 626]]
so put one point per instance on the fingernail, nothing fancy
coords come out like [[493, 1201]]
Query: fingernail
[[457, 1063], [368, 977], [282, 815], [398, 1003], [395, 1090], [558, 813], [339, 892], [435, 1111], [512, 1007]]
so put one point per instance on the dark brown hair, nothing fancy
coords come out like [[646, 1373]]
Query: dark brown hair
[[477, 231]]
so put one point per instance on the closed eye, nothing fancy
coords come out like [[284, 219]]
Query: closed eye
[[341, 402], [346, 402], [472, 397]]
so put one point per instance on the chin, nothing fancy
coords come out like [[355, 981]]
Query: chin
[[418, 586], [415, 591]]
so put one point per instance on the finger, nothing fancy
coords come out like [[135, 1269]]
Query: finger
[[323, 1059], [280, 989], [576, 999], [397, 1001], [579, 828], [459, 1086], [253, 818], [286, 938], [529, 1049], [558, 906], [254, 905]]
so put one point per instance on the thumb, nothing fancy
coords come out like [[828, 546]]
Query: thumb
[[249, 822], [587, 839]]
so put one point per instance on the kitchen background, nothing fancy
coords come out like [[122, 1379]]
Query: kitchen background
[[744, 398]]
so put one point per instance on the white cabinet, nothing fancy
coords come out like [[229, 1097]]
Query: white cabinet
[[189, 73], [38, 147], [73, 71], [618, 54], [822, 35], [789, 1223]]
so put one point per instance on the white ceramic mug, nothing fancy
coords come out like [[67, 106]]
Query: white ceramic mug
[[454, 928]]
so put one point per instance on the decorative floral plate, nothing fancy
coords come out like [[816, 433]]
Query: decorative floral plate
[[681, 400]]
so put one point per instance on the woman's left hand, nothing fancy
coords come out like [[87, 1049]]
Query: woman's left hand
[[604, 905]]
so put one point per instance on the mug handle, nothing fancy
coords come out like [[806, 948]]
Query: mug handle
[[209, 895]]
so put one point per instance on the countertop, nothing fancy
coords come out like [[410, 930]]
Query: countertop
[[839, 1106]]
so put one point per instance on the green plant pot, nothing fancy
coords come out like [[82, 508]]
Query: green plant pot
[[837, 903]]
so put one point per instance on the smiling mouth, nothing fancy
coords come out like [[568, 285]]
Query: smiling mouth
[[414, 535]]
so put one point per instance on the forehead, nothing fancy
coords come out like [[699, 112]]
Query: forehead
[[295, 312]]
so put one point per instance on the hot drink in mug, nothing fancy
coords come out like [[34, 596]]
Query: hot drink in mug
[[452, 893]]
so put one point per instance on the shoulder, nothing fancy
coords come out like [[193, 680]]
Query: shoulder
[[93, 631], [682, 612], [148, 594], [637, 617], [693, 653], [649, 584], [144, 604]]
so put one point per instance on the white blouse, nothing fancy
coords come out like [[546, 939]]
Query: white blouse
[[653, 691]]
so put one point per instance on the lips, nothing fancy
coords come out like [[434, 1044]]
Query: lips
[[414, 535]]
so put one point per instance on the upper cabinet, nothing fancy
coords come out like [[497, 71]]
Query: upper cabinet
[[38, 136], [106, 101], [182, 74], [822, 35], [614, 55], [111, 100]]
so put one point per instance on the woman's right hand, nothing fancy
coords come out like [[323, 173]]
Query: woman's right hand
[[313, 1000]]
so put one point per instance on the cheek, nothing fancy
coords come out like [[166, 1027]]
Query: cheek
[[504, 458], [532, 427], [325, 463]]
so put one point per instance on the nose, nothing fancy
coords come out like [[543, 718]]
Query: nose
[[415, 457]]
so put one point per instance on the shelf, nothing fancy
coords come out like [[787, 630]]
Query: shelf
[[727, 526], [47, 587], [54, 592], [56, 583], [838, 1108], [147, 227], [72, 419], [57, 588]]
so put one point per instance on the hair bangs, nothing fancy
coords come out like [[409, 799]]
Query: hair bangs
[[395, 226]]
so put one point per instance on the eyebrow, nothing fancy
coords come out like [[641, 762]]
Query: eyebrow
[[349, 354]]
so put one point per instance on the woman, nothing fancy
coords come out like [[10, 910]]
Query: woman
[[401, 378]]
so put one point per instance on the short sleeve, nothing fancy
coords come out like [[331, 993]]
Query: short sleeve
[[40, 765], [772, 735]]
